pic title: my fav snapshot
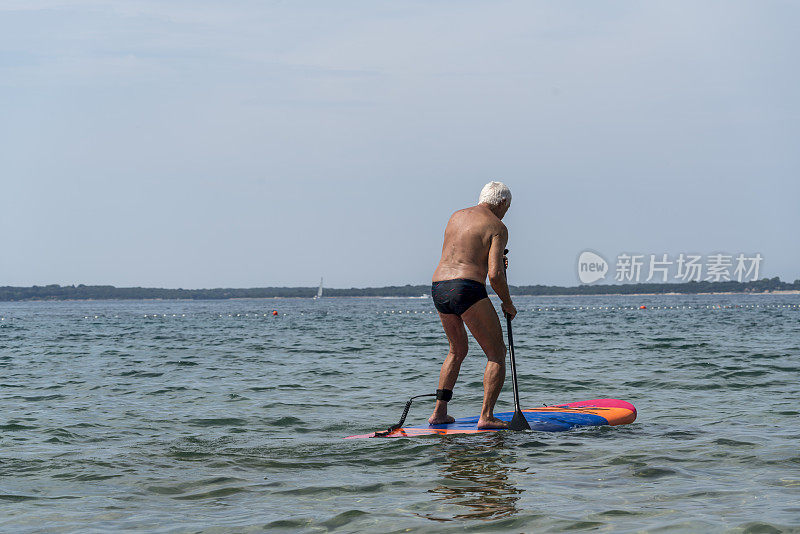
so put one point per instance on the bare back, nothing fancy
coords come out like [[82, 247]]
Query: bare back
[[474, 240]]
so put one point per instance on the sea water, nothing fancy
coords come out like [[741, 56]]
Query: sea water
[[187, 416]]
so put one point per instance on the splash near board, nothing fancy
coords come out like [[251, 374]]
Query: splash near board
[[597, 412]]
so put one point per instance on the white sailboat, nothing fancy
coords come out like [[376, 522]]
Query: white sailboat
[[319, 291]]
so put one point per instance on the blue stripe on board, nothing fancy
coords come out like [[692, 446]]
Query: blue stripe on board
[[543, 421]]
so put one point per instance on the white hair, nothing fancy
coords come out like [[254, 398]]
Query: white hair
[[494, 194]]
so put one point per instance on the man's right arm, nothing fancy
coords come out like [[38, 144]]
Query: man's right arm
[[497, 275]]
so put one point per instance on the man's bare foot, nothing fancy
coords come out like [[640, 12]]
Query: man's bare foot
[[437, 419], [491, 422]]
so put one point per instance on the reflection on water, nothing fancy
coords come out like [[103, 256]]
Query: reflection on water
[[477, 476]]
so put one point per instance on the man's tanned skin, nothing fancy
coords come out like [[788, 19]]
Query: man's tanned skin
[[474, 240]]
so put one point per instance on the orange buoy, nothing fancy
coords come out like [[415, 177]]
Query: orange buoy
[[274, 312], [642, 307]]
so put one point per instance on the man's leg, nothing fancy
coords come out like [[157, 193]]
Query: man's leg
[[482, 321], [457, 336]]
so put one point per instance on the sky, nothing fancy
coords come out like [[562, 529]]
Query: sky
[[270, 143]]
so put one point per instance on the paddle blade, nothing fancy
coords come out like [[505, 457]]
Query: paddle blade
[[518, 422]]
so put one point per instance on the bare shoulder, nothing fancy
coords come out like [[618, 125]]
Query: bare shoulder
[[497, 226], [465, 211], [461, 215], [500, 229], [455, 214]]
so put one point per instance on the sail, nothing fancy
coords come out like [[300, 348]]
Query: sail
[[319, 291]]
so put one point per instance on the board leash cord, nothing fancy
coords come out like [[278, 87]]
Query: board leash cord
[[402, 417]]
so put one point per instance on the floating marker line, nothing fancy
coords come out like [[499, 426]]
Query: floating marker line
[[400, 312]]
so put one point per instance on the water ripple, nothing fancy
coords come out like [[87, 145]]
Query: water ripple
[[211, 416]]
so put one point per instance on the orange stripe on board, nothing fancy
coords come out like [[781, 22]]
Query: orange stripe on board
[[614, 416]]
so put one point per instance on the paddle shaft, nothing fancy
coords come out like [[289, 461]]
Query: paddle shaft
[[513, 364], [518, 422]]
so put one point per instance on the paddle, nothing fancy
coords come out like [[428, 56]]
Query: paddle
[[518, 422]]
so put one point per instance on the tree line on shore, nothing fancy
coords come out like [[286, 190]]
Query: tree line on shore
[[84, 292]]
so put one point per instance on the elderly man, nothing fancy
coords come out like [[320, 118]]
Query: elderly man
[[474, 240]]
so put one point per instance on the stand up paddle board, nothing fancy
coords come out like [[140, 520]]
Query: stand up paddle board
[[597, 412]]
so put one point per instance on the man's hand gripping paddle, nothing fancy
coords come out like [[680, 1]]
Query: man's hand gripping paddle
[[518, 422]]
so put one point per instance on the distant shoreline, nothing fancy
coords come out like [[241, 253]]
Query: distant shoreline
[[85, 292]]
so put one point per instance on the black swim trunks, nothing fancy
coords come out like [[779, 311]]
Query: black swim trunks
[[456, 296]]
